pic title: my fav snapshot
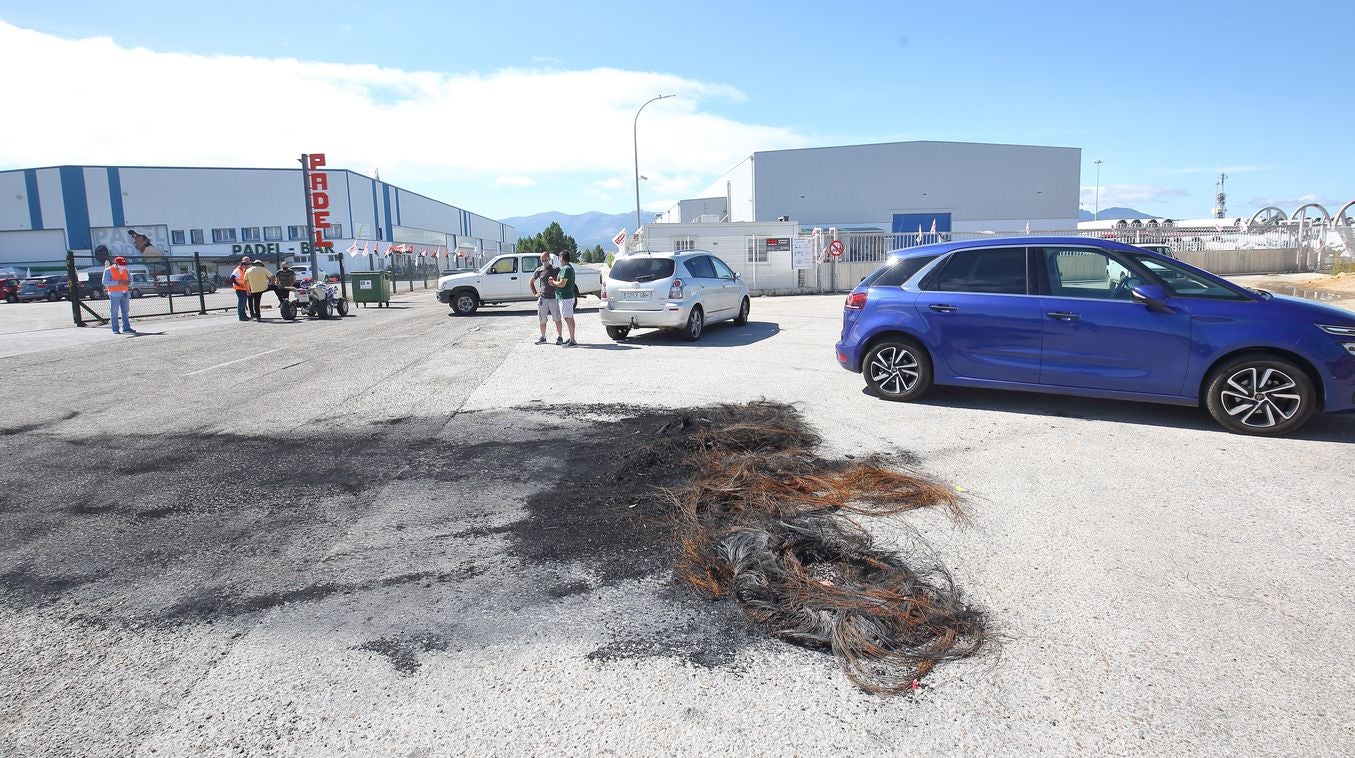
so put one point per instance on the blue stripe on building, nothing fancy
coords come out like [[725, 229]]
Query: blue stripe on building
[[376, 213], [386, 192], [397, 206], [34, 202], [348, 195], [115, 196], [76, 202]]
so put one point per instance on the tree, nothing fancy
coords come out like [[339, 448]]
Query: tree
[[550, 240]]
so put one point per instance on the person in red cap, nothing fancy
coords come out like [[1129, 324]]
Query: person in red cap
[[117, 282]]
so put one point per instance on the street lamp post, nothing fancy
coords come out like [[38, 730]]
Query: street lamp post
[[635, 140], [1096, 214]]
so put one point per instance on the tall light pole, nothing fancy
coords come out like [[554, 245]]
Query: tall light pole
[[635, 140], [1096, 214]]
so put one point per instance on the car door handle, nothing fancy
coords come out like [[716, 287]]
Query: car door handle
[[514, 278], [942, 308], [1063, 315]]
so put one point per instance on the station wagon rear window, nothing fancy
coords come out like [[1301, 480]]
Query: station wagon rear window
[[641, 269]]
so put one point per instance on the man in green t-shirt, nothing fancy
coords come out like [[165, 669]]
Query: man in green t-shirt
[[565, 292]]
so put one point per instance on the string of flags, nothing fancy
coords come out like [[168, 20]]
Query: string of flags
[[394, 248]]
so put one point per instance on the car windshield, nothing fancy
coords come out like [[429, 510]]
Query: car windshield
[[1185, 283], [641, 269]]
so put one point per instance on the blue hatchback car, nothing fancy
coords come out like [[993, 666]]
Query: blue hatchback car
[[1096, 318]]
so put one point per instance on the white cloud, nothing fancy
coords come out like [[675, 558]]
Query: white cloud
[[94, 101], [1130, 195], [514, 181]]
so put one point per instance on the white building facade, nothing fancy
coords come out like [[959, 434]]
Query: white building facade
[[219, 212], [898, 187]]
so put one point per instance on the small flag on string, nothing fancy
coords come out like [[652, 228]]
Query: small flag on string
[[919, 232], [353, 248]]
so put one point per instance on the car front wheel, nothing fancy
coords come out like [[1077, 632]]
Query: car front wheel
[[696, 321], [1260, 395], [742, 318], [464, 302], [898, 370]]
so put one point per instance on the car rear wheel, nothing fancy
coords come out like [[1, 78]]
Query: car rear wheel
[[898, 370], [742, 318], [465, 302], [51, 297], [1260, 395], [618, 332], [696, 321], [11, 299]]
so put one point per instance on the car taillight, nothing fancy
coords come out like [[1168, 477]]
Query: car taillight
[[675, 291], [603, 294], [855, 301]]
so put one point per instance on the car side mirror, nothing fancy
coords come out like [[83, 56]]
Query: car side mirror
[[1152, 295], [737, 275]]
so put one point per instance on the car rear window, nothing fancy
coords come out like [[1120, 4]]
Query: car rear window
[[641, 269], [897, 271]]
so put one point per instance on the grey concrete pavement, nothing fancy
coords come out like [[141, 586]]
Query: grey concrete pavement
[[346, 537]]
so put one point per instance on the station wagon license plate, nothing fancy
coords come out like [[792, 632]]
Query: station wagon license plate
[[634, 294]]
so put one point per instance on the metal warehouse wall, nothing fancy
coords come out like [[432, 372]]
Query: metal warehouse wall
[[981, 185]]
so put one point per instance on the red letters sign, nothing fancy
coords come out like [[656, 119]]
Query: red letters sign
[[319, 189]]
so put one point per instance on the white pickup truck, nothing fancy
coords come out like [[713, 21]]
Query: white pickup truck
[[505, 279]]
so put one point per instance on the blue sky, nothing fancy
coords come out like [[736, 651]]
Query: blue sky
[[520, 107]]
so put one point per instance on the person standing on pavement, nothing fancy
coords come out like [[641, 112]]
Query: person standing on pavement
[[256, 277], [546, 304], [117, 283], [565, 292], [241, 288]]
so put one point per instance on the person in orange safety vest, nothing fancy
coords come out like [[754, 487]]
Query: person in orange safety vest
[[241, 288], [117, 283]]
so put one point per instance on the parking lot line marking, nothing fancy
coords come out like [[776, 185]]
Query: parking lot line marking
[[237, 360]]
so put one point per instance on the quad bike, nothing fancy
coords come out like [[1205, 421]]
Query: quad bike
[[316, 300]]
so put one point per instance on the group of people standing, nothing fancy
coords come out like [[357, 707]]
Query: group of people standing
[[251, 279], [556, 290]]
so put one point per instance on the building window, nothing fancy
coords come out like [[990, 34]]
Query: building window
[[757, 250], [683, 243], [296, 232], [223, 235], [197, 236], [176, 237], [249, 234], [335, 231], [272, 234]]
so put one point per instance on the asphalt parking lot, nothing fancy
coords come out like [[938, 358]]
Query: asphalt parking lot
[[360, 536]]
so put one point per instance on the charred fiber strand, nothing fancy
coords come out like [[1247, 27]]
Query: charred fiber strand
[[766, 523]]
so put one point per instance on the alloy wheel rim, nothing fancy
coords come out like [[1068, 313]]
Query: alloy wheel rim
[[894, 370], [1261, 398], [694, 324]]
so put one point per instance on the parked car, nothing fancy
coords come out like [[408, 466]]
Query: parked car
[[181, 284], [9, 288], [91, 286], [1053, 314], [682, 290], [140, 284], [46, 287]]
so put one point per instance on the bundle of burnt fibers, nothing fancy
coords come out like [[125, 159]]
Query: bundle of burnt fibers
[[766, 523]]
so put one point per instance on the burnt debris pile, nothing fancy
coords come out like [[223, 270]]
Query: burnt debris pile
[[765, 522]]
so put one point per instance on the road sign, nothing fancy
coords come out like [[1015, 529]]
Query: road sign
[[835, 248]]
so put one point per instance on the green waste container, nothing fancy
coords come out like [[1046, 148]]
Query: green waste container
[[371, 287]]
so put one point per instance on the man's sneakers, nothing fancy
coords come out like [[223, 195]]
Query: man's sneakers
[[559, 340], [571, 343], [541, 341]]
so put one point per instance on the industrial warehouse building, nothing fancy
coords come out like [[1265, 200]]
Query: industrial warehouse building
[[221, 213], [898, 187]]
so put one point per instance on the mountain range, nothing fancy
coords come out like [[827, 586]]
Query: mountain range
[[587, 229], [1109, 214], [594, 228]]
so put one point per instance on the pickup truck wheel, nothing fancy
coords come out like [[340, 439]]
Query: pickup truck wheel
[[464, 302], [618, 333]]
